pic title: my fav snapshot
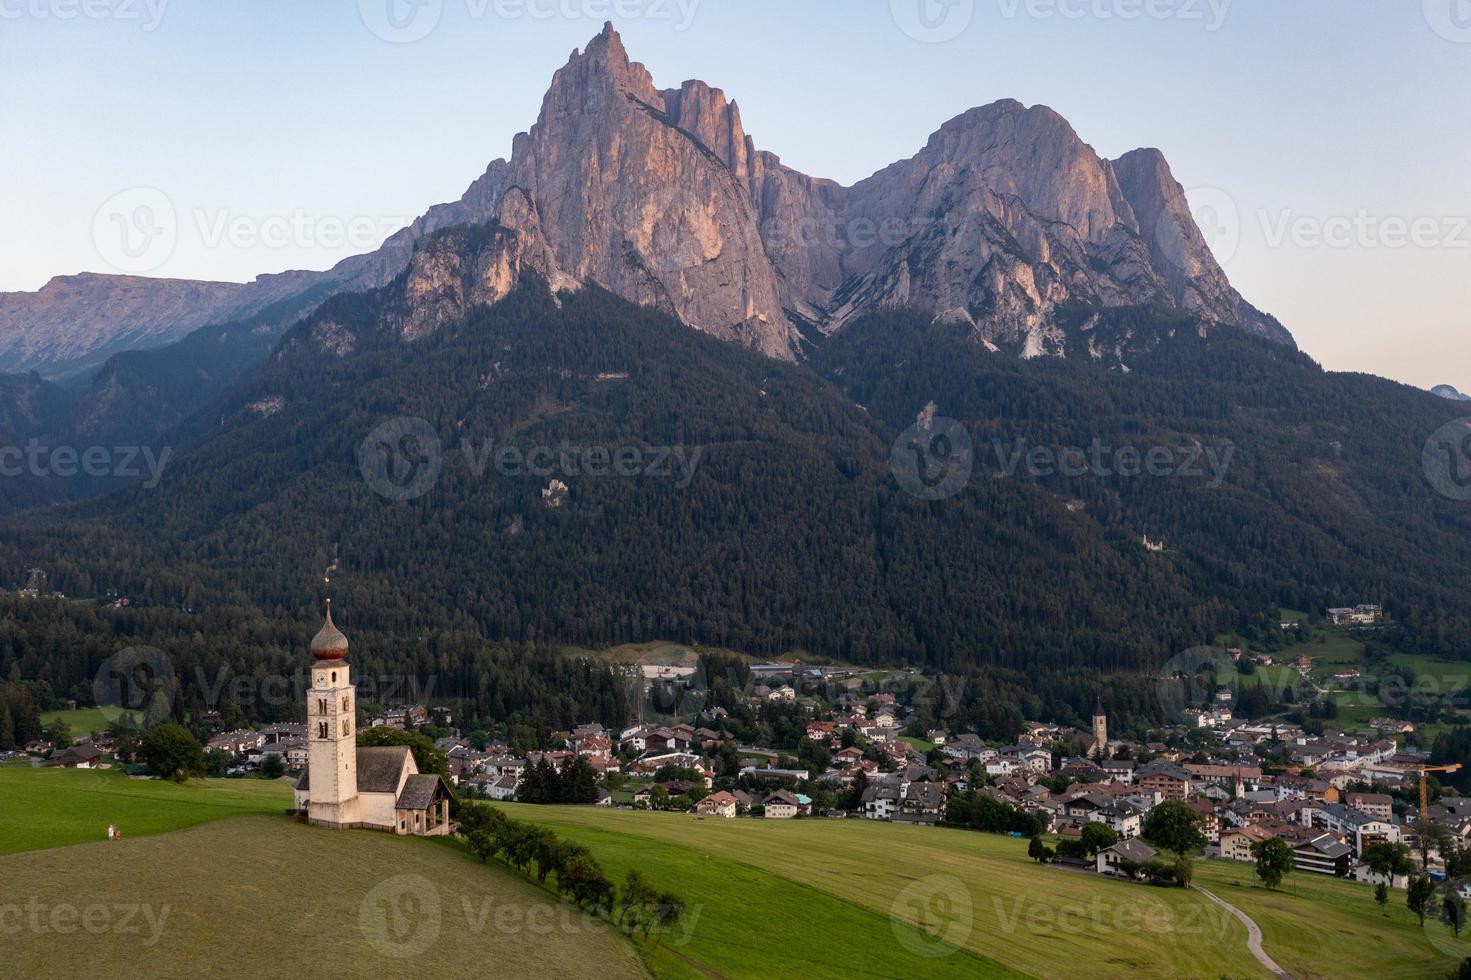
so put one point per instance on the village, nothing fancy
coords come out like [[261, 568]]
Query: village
[[849, 752]]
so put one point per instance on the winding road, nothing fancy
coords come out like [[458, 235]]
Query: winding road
[[1253, 934]]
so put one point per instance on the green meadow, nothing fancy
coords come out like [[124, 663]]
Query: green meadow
[[974, 902], [267, 897], [813, 898], [83, 721], [1022, 916], [43, 808], [1320, 927]]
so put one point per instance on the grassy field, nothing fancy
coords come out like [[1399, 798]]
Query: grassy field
[[42, 808], [83, 721], [745, 921], [1317, 927], [978, 891], [850, 899], [1029, 918], [266, 897]]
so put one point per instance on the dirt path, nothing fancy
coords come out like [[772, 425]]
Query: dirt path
[[1253, 933]]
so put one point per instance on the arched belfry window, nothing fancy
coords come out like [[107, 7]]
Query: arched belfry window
[[321, 706], [344, 703], [346, 730], [334, 677], [322, 730]]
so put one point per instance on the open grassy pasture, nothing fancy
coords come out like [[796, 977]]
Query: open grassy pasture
[[980, 891], [267, 897], [1033, 919], [1318, 927], [83, 721], [919, 745], [744, 921], [41, 808]]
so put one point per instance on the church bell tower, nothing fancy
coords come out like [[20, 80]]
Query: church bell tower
[[1100, 730], [331, 713]]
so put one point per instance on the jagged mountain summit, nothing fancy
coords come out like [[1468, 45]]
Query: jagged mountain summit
[[1004, 218]]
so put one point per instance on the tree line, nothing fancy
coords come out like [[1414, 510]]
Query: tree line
[[536, 851]]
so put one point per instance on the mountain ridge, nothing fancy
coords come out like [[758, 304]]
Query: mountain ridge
[[664, 198]]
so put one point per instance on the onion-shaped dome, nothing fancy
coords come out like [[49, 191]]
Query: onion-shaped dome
[[329, 643]]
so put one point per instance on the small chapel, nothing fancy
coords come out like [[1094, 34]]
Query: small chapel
[[350, 787]]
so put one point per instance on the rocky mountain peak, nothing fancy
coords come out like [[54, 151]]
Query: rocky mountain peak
[[1004, 217]]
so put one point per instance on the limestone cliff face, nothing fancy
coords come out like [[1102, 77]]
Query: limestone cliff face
[[644, 198], [1194, 278], [1002, 219], [1005, 217]]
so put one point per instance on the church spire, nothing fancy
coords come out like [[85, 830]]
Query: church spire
[[329, 643]]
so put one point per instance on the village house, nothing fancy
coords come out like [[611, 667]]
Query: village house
[[923, 800], [1236, 843], [503, 788], [1035, 758], [781, 805], [1169, 780], [820, 731], [1358, 828], [967, 746], [1378, 805], [721, 804], [237, 742], [1133, 851], [80, 756], [1323, 854], [1234, 779], [881, 800], [1210, 824]]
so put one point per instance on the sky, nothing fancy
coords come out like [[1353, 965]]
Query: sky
[[1325, 144]]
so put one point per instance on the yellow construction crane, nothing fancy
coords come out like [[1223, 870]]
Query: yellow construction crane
[[1424, 822]]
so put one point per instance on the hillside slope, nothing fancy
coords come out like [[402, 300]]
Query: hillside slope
[[264, 897], [764, 513]]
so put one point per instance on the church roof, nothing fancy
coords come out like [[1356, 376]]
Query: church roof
[[379, 767], [329, 643], [419, 792]]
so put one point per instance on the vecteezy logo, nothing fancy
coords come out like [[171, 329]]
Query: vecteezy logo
[[933, 917], [933, 21], [401, 458], [933, 458], [1451, 19], [1446, 460], [401, 917], [1216, 215], [134, 688], [1194, 679], [401, 21], [136, 230]]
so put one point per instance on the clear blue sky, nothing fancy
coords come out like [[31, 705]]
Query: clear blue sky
[[1297, 119]]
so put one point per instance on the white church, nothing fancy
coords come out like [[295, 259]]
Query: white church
[[348, 787]]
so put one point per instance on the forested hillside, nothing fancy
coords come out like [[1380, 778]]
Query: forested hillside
[[775, 522]]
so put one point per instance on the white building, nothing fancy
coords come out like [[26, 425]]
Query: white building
[[344, 786]]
